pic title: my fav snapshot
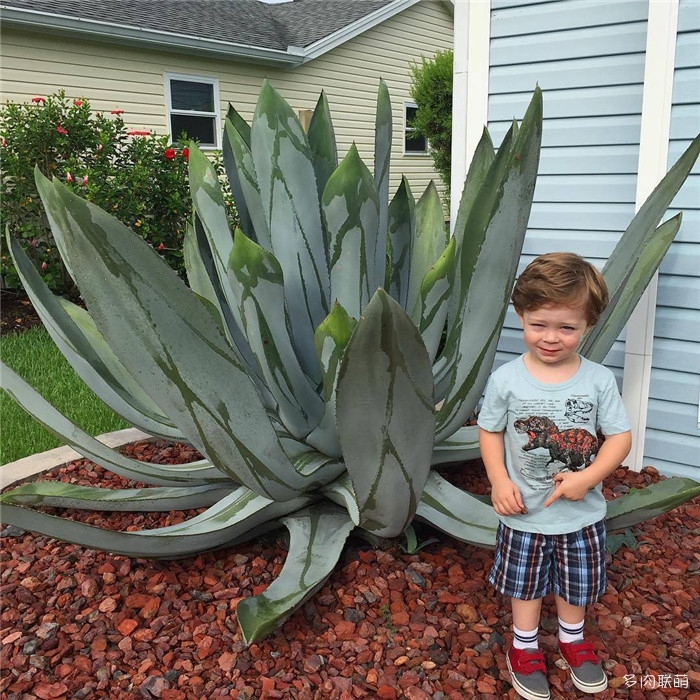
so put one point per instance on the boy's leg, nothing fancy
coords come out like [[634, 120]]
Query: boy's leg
[[524, 659]]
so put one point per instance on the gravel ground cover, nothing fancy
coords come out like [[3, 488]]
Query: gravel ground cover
[[78, 623]]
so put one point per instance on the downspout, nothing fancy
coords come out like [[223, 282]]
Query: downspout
[[662, 27], [470, 88]]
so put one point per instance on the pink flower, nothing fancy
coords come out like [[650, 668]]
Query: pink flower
[[85, 180], [32, 243], [169, 154], [39, 100], [136, 132], [4, 143], [161, 247], [78, 103], [117, 111], [44, 266], [61, 130], [99, 147], [69, 177], [186, 153]]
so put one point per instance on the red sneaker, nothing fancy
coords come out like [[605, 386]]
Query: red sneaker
[[586, 672], [528, 673]]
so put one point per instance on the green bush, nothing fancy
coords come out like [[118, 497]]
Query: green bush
[[431, 90], [137, 176]]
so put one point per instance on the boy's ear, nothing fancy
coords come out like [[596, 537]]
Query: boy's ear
[[522, 320]]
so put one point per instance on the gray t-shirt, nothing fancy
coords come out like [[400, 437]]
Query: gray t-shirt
[[550, 428]]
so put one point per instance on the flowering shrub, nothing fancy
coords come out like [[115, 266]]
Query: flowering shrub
[[137, 176]]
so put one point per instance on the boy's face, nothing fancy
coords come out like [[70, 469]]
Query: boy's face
[[553, 333]]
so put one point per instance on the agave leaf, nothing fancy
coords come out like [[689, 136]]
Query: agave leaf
[[461, 446], [258, 285], [332, 337], [645, 221], [435, 298], [507, 209], [341, 492], [351, 209], [198, 275], [385, 414], [429, 244], [75, 335], [58, 494], [317, 536], [238, 156], [167, 475], [162, 334], [284, 166], [402, 224], [458, 513], [227, 522], [601, 337], [643, 504], [382, 163], [321, 136]]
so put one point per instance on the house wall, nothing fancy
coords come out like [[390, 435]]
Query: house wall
[[132, 79], [673, 414], [588, 58]]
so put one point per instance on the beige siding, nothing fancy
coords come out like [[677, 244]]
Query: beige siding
[[131, 79]]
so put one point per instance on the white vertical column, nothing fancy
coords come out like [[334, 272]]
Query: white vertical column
[[470, 90], [653, 162]]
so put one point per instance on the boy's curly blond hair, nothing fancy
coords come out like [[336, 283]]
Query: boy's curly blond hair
[[561, 279]]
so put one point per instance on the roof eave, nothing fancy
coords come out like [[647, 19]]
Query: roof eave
[[318, 48], [134, 36]]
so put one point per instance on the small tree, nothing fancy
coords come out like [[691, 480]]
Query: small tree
[[137, 176], [431, 90]]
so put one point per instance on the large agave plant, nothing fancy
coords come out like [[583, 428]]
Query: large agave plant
[[324, 359]]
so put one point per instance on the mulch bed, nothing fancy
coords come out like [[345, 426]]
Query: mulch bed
[[78, 623], [16, 312]]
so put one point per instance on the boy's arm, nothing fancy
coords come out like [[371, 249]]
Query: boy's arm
[[575, 485], [505, 495]]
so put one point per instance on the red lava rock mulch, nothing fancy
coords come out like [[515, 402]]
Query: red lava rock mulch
[[78, 623]]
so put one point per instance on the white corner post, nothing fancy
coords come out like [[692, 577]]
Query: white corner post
[[470, 88], [653, 161]]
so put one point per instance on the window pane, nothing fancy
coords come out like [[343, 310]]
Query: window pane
[[414, 144], [198, 128], [410, 115], [186, 94]]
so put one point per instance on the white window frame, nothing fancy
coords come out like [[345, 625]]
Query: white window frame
[[407, 129], [167, 77]]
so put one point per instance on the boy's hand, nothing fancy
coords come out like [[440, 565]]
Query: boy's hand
[[506, 498], [570, 485]]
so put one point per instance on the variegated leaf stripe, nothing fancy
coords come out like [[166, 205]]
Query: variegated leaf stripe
[[461, 446], [492, 277], [166, 475], [310, 462], [435, 297], [232, 171], [645, 221], [458, 513], [198, 276], [229, 521], [247, 180], [385, 414], [601, 337], [351, 210], [316, 539], [331, 338], [258, 285], [402, 224], [341, 492], [643, 504], [382, 163], [324, 152], [284, 167], [428, 245], [83, 346], [166, 338], [476, 175], [157, 499]]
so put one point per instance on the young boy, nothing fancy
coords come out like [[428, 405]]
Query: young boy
[[538, 426]]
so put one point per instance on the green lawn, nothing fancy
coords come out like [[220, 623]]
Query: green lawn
[[33, 355]]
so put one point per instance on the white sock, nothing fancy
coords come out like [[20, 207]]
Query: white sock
[[523, 639], [570, 631]]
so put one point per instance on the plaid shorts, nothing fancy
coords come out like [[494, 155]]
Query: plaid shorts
[[527, 565]]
